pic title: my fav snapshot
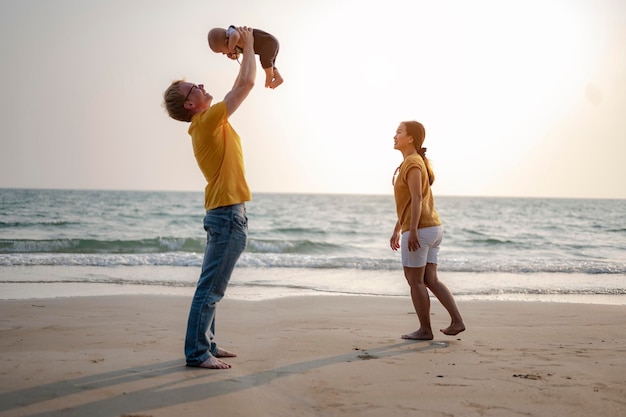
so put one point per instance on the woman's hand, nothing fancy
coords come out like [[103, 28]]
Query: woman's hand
[[414, 241], [394, 242]]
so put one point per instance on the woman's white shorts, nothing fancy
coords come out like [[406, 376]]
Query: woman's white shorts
[[430, 239]]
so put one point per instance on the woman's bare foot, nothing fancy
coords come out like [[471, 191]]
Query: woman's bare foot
[[453, 329], [214, 363], [221, 353], [418, 335]]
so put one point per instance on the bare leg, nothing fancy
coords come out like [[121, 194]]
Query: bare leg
[[269, 76], [421, 303], [445, 297]]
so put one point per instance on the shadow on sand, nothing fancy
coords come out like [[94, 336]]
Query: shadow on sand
[[178, 391]]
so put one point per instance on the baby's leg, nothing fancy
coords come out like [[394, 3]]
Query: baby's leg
[[269, 76], [277, 80]]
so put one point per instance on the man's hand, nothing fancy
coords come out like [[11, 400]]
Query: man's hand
[[247, 72], [245, 38]]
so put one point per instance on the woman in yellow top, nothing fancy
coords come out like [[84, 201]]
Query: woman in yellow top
[[418, 231]]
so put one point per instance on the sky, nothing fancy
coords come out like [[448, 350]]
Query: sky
[[519, 98]]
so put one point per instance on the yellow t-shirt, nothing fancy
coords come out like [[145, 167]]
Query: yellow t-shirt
[[217, 149], [402, 194]]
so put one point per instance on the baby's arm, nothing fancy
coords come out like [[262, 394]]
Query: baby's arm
[[233, 39]]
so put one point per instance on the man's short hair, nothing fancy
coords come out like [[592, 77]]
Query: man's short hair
[[174, 102]]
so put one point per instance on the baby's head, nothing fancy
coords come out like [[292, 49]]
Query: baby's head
[[218, 41]]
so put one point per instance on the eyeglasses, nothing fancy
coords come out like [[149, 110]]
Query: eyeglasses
[[395, 175], [191, 89]]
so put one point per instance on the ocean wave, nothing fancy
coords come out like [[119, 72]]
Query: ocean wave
[[106, 260], [159, 245], [286, 260], [290, 246], [545, 291], [491, 242], [300, 230], [87, 246], [28, 224], [350, 287]]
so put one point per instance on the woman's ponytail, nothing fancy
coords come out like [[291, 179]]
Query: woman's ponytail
[[417, 131]]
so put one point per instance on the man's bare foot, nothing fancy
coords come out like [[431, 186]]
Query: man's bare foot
[[453, 329], [214, 363], [418, 335], [222, 353]]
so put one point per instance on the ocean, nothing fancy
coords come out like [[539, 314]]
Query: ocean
[[56, 243]]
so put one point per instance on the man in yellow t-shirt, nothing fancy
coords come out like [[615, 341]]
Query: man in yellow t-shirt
[[217, 148]]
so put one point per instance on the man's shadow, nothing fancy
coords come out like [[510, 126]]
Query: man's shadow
[[167, 394]]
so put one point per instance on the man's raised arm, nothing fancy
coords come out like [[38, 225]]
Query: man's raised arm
[[247, 72]]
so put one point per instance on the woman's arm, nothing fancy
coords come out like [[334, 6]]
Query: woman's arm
[[414, 181], [394, 242]]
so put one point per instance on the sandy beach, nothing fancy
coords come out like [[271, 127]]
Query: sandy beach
[[113, 356]]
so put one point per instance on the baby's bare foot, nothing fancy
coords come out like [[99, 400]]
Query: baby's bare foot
[[276, 83]]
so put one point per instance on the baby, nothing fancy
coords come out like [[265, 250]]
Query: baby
[[226, 41]]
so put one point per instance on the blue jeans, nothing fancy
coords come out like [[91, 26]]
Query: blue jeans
[[227, 232]]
